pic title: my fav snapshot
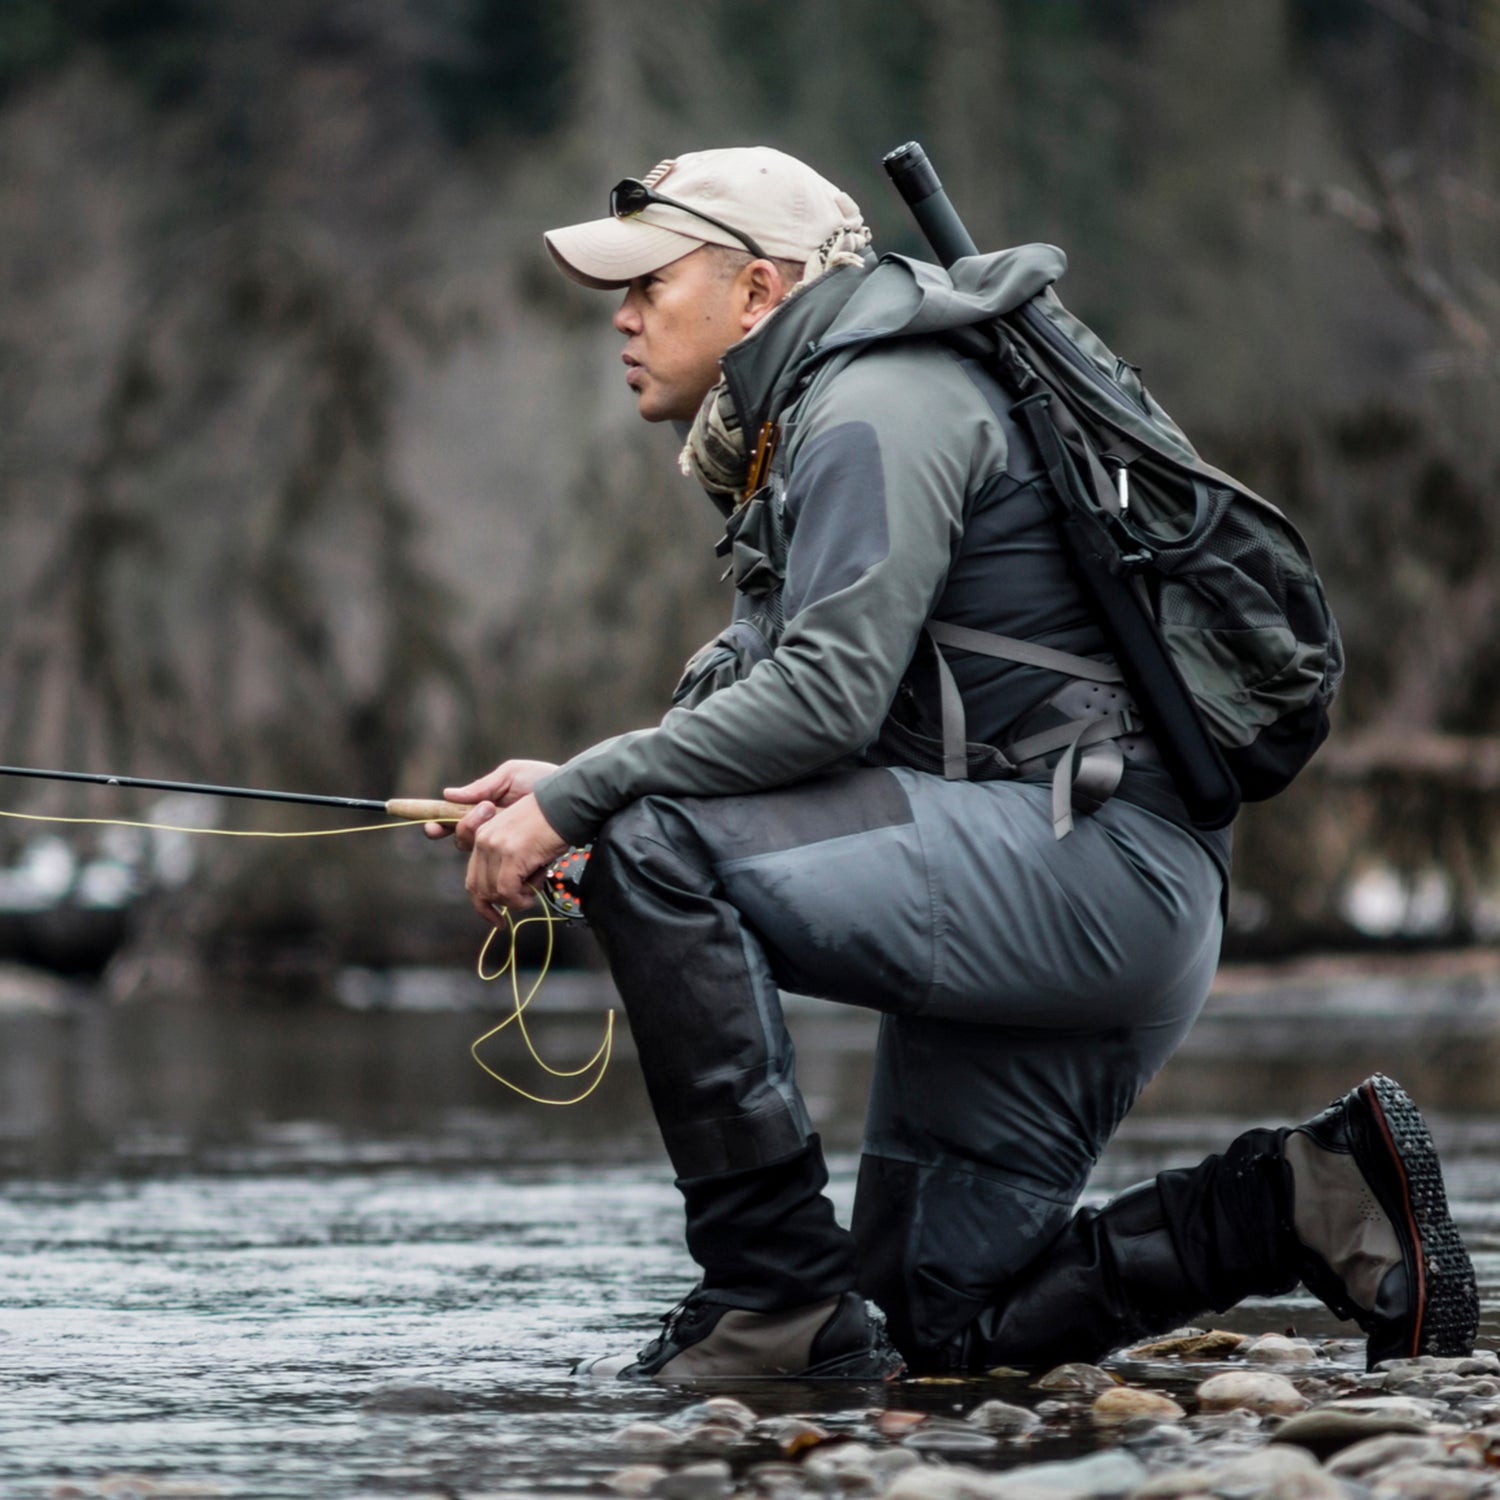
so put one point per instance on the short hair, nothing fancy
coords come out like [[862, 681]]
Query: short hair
[[730, 260]]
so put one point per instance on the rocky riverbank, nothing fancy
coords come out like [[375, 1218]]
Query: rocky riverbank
[[1200, 1413]]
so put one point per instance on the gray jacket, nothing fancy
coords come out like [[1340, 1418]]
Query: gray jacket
[[904, 492]]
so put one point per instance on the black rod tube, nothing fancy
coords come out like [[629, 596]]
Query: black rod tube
[[362, 804], [917, 182]]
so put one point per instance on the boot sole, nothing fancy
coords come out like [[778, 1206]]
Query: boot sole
[[1447, 1311]]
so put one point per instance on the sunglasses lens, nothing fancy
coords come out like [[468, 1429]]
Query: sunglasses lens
[[628, 198]]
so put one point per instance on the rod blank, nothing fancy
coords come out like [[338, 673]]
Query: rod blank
[[397, 807]]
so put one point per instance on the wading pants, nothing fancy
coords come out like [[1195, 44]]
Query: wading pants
[[1030, 987]]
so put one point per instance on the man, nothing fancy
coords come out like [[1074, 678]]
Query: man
[[1035, 917]]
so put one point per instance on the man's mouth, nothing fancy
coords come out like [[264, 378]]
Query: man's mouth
[[635, 372]]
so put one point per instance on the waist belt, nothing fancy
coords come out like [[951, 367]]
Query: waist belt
[[1091, 761]]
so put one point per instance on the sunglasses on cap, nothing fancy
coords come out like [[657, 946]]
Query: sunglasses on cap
[[629, 197]]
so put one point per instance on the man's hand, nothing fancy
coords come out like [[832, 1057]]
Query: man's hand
[[512, 847], [506, 784]]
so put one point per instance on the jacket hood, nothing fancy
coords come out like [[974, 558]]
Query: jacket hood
[[892, 298]]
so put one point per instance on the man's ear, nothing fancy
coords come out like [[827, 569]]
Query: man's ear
[[761, 289]]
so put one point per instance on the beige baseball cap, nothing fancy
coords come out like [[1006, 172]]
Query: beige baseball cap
[[745, 197]]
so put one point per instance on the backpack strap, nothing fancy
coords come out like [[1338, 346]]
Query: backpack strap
[[1090, 765]]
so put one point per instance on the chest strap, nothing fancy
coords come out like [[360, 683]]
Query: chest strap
[[1090, 765]]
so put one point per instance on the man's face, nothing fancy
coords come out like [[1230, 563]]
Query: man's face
[[677, 323]]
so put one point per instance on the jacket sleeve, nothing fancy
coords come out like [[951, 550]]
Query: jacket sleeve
[[881, 463]]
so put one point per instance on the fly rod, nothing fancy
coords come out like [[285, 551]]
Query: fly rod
[[428, 809]]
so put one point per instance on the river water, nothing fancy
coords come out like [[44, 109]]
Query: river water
[[256, 1251]]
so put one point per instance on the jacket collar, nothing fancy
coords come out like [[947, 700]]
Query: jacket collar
[[892, 298]]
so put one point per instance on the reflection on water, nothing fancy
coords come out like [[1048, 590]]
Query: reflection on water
[[318, 1251]]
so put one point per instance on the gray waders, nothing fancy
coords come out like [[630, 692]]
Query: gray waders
[[1030, 987]]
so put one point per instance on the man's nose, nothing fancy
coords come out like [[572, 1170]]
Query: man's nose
[[627, 316]]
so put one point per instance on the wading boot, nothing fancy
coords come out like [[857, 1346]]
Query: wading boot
[[1350, 1203], [839, 1338], [1371, 1218]]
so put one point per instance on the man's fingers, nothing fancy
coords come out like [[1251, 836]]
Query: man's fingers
[[467, 828]]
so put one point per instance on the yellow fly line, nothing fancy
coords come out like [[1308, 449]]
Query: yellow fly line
[[517, 1016]]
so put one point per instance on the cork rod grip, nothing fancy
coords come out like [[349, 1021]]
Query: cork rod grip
[[428, 809]]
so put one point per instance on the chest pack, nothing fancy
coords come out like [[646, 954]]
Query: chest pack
[[1214, 611]]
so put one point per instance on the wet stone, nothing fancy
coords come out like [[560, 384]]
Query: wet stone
[[1278, 1349], [1327, 1430], [1236, 1422], [1146, 1432], [1406, 1408], [927, 1482], [1099, 1475], [1264, 1394], [1190, 1343], [713, 1435], [1275, 1474], [1003, 1419], [1480, 1362], [1375, 1455], [636, 1480], [1480, 1388], [1173, 1484], [1126, 1403], [943, 1435], [705, 1481], [1429, 1482], [1089, 1379], [856, 1468], [793, 1434], [776, 1479], [896, 1423], [647, 1437], [718, 1411]]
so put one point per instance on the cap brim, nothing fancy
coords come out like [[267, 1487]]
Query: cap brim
[[608, 253]]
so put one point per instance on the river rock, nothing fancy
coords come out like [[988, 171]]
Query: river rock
[[1278, 1349], [1003, 1419], [1480, 1362], [1173, 1484], [717, 1411], [944, 1435], [706, 1481], [1327, 1430], [1190, 1343], [647, 1437], [1275, 1474], [855, 1467], [1407, 1408], [635, 1481], [1255, 1391], [845, 1466], [1376, 1454], [896, 1423], [1099, 1475], [928, 1482], [1088, 1379], [1125, 1403], [794, 1435], [1429, 1482], [777, 1479]]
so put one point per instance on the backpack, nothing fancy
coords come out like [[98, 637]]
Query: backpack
[[1221, 623], [1217, 618]]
